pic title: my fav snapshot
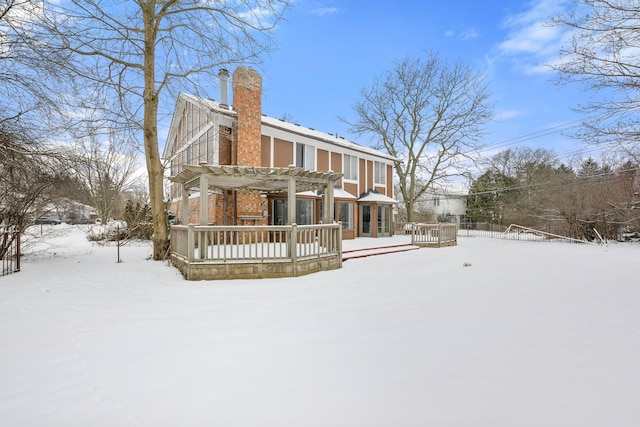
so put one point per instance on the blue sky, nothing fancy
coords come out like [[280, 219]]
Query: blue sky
[[329, 50]]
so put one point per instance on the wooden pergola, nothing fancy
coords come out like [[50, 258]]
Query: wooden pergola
[[264, 180]]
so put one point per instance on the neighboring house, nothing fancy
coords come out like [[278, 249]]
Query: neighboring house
[[448, 203], [69, 211], [204, 131]]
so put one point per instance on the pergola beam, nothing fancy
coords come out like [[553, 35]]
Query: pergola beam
[[265, 180]]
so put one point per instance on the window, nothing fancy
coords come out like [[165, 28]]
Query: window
[[304, 212], [306, 156], [384, 220], [350, 167], [380, 173], [345, 213], [436, 201]]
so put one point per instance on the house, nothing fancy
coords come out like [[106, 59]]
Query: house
[[237, 134], [447, 203]]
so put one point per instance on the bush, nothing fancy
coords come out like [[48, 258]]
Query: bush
[[139, 220], [111, 231]]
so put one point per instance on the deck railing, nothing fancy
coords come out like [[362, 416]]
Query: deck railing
[[519, 232], [228, 244], [433, 234]]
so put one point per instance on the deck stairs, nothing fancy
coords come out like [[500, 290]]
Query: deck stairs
[[378, 250]]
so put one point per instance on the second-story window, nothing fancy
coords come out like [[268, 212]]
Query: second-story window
[[350, 167], [306, 156], [379, 173]]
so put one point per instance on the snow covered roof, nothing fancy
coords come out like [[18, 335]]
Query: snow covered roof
[[308, 193], [293, 128], [374, 196], [339, 193], [323, 136]]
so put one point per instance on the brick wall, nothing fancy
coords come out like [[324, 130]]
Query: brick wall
[[247, 100], [247, 94], [194, 210]]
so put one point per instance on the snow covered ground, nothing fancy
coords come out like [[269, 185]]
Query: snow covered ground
[[529, 334]]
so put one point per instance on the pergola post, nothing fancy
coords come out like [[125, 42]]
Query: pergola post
[[204, 214], [291, 200], [185, 204], [328, 208], [204, 199], [291, 211]]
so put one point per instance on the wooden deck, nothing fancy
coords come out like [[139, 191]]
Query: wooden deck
[[255, 252]]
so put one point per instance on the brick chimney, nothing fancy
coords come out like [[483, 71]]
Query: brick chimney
[[247, 100]]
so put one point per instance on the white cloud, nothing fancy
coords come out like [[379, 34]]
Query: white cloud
[[502, 115], [465, 34], [324, 11], [468, 34], [537, 39], [531, 41]]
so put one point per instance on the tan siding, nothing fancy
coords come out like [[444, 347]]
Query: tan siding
[[389, 181], [265, 156], [351, 188], [323, 160], [369, 174], [283, 153], [336, 164]]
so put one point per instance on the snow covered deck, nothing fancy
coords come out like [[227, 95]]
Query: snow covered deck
[[433, 235], [245, 252]]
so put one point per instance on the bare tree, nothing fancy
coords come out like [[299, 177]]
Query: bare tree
[[131, 54], [106, 169], [521, 162], [602, 55], [427, 112], [28, 172], [30, 82], [525, 187]]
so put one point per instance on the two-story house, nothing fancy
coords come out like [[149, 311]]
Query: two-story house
[[204, 131]]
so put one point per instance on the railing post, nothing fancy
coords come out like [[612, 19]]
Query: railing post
[[202, 244], [293, 246], [190, 242], [338, 241], [413, 233], [439, 231]]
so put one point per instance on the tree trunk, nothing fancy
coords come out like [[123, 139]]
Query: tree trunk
[[155, 171], [408, 204]]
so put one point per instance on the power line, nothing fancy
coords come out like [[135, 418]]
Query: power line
[[537, 134], [548, 183]]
